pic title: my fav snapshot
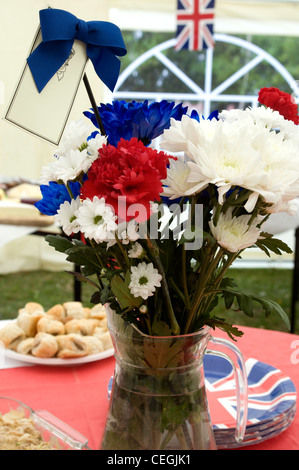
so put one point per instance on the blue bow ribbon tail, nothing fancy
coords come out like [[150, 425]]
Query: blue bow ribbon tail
[[47, 59]]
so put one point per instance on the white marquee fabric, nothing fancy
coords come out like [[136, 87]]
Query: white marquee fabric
[[271, 17], [21, 154]]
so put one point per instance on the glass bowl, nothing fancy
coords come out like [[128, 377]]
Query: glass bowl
[[52, 430]]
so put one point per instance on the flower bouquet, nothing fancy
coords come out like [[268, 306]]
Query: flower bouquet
[[155, 232]]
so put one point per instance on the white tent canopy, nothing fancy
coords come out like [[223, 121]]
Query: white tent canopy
[[271, 17]]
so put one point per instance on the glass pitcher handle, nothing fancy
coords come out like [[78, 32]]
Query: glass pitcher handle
[[238, 365]]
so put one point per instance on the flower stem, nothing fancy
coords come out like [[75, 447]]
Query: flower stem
[[185, 286], [154, 252], [69, 190], [204, 280], [97, 254], [231, 259], [123, 251]]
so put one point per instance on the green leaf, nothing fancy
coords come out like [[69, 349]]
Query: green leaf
[[120, 289], [96, 298], [167, 254], [160, 328], [228, 299], [80, 277], [228, 282], [76, 252], [275, 245], [245, 302], [232, 331], [61, 244]]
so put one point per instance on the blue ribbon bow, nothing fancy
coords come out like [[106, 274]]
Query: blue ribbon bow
[[59, 29]]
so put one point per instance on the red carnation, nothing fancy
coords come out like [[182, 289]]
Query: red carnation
[[279, 101], [125, 175]]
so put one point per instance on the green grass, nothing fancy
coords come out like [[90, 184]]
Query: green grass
[[49, 288]]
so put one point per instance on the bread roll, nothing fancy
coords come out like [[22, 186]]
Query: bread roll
[[86, 312], [33, 307], [44, 345], [28, 322], [25, 346], [85, 326], [73, 310], [98, 311], [71, 345], [48, 325], [94, 345], [11, 335], [104, 337], [57, 312]]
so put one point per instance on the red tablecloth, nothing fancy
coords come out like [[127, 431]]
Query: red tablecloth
[[78, 394]]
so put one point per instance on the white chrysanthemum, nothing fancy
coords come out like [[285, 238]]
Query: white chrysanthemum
[[234, 233], [280, 167], [74, 136], [97, 220], [290, 207], [128, 232], [184, 133], [66, 216], [263, 117], [260, 116], [136, 251], [67, 167], [94, 144], [228, 159], [176, 184], [48, 172], [241, 151], [144, 280]]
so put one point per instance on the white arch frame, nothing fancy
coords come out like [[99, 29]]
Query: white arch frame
[[205, 94]]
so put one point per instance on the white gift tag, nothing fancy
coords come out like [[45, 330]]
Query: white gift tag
[[45, 114]]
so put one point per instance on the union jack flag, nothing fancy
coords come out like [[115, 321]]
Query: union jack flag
[[195, 22], [270, 392]]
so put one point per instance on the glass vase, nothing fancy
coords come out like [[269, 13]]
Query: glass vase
[[158, 398]]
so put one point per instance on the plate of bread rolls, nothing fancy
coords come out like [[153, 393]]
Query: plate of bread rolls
[[65, 334]]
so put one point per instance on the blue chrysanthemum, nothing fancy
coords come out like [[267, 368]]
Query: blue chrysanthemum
[[54, 195], [92, 135], [195, 115], [142, 120]]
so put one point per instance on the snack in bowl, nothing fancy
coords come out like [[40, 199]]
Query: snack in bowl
[[20, 433], [64, 331], [22, 428]]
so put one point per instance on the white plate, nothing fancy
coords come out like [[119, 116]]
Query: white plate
[[54, 361]]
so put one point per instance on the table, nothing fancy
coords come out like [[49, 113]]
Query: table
[[78, 394], [277, 224]]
